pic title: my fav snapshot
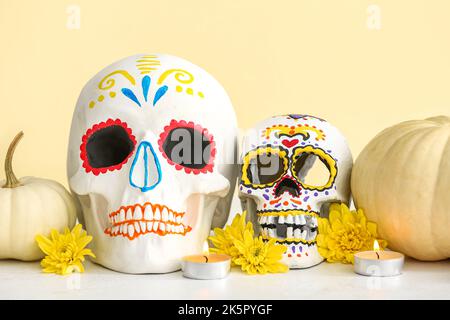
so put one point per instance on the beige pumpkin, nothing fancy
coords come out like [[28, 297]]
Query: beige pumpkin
[[30, 206], [402, 181]]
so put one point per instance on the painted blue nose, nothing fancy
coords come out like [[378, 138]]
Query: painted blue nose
[[145, 172]]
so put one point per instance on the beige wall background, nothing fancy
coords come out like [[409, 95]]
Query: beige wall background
[[363, 65]]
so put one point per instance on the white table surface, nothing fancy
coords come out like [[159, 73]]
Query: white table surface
[[420, 280]]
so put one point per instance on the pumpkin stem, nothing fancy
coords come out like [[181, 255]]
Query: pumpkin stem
[[11, 179]]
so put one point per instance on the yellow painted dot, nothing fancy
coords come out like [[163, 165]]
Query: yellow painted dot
[[101, 98], [112, 94], [179, 88], [189, 91], [91, 104], [200, 94]]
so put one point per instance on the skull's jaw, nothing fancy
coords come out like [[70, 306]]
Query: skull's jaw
[[300, 256], [297, 231], [147, 252], [289, 226], [135, 220], [144, 255]]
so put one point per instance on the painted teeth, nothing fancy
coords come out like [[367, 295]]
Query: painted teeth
[[137, 227], [157, 214], [290, 219], [290, 232], [300, 227], [132, 221], [129, 215], [272, 233], [137, 213], [165, 214], [302, 219], [131, 230], [148, 213]]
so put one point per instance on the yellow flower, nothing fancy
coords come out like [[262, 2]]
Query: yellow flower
[[64, 252], [258, 256], [252, 254], [223, 239], [344, 233]]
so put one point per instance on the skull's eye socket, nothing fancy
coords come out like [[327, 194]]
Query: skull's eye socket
[[263, 167], [188, 146], [313, 168], [107, 146]]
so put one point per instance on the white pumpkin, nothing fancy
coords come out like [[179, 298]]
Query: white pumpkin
[[30, 206], [402, 181]]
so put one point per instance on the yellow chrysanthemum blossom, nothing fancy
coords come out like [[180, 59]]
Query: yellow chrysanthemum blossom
[[344, 233], [252, 254], [258, 256], [64, 252], [223, 239]]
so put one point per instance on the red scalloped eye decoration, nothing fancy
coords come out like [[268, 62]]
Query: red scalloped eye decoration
[[205, 167], [95, 128]]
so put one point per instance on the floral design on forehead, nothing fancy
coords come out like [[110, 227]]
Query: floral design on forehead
[[275, 176], [135, 161], [146, 64]]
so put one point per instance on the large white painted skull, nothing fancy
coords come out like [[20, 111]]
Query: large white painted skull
[[278, 157], [149, 160]]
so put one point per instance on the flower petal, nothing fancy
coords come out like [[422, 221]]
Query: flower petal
[[372, 228]]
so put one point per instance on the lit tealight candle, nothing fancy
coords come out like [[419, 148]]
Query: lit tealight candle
[[206, 266], [378, 263]]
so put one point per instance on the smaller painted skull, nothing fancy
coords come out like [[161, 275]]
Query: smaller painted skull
[[278, 158]]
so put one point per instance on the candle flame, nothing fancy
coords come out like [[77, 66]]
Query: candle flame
[[205, 248], [376, 246]]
